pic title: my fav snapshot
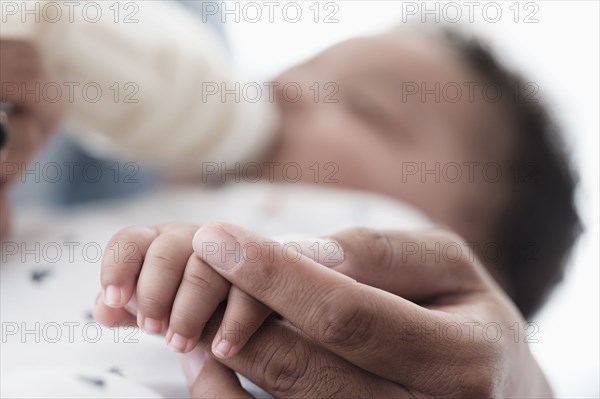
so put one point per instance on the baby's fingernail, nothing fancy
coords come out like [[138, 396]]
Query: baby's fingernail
[[113, 296], [193, 363], [222, 349], [151, 326], [217, 247], [179, 343]]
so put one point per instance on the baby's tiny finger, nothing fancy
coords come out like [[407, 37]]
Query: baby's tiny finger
[[200, 293], [160, 277], [122, 262], [243, 316]]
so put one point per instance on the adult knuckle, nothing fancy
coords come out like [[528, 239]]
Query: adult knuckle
[[365, 235], [286, 369], [346, 324], [377, 247]]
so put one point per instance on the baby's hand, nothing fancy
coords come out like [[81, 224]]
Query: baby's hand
[[153, 271]]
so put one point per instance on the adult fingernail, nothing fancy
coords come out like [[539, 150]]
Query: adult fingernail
[[192, 364], [113, 296], [222, 349], [325, 251], [217, 247]]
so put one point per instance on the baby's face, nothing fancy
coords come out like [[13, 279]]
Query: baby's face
[[358, 121]]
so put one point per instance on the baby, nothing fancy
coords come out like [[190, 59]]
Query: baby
[[427, 118]]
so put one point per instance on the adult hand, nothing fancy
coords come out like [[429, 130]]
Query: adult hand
[[31, 117], [438, 327]]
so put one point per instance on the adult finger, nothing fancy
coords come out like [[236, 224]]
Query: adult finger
[[244, 314], [288, 364], [416, 265], [362, 324]]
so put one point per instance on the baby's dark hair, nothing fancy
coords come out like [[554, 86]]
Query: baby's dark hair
[[541, 224]]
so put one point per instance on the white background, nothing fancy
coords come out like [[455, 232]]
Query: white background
[[560, 53]]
